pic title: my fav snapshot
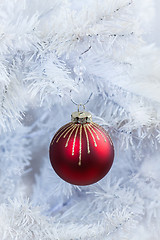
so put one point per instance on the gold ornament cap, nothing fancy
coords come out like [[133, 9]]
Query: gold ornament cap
[[81, 117]]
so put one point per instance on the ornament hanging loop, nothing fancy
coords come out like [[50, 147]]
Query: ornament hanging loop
[[81, 105]]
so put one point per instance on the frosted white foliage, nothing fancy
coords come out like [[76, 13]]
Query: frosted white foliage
[[11, 109], [54, 53], [115, 206], [44, 7], [97, 19], [61, 190], [145, 11], [143, 82], [50, 79], [19, 221], [14, 158], [150, 170], [16, 29], [108, 225], [117, 195]]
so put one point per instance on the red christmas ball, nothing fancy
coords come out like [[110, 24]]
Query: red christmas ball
[[81, 152]]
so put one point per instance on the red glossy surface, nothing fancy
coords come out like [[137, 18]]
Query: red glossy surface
[[94, 165]]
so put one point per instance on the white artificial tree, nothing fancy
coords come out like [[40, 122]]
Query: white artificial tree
[[54, 53]]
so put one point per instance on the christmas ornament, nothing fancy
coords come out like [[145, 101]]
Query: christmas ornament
[[81, 152]]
